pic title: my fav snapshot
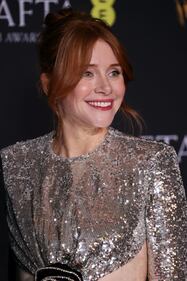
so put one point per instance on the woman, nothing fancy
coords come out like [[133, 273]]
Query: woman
[[86, 199]]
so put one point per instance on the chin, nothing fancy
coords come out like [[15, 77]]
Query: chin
[[103, 124], [100, 121]]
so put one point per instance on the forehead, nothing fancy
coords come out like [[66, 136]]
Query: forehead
[[102, 53]]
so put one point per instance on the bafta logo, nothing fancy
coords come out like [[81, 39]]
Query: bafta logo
[[181, 6], [66, 5]]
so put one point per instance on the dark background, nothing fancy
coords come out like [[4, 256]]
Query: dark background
[[157, 47]]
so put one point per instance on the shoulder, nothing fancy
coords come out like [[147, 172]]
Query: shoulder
[[140, 147], [25, 149]]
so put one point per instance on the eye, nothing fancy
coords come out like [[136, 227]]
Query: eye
[[88, 74], [115, 73]]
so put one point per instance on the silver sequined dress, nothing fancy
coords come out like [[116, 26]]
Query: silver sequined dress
[[94, 212]]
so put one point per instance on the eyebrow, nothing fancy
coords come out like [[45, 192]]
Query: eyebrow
[[113, 64]]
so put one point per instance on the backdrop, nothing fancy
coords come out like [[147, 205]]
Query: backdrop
[[155, 36]]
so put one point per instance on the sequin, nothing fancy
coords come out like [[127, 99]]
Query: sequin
[[94, 212]]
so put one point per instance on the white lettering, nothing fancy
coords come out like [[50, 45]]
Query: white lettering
[[33, 37], [7, 15], [23, 12], [29, 37], [183, 149], [12, 37], [21, 37], [148, 137], [166, 138], [46, 5]]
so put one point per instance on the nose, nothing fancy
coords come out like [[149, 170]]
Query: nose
[[103, 85]]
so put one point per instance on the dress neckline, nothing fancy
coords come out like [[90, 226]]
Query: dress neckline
[[82, 156]]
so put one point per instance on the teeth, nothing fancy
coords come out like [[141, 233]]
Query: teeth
[[100, 103]]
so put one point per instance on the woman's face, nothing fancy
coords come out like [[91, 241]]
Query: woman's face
[[96, 98]]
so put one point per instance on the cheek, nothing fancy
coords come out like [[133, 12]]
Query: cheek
[[67, 104], [82, 89], [120, 90]]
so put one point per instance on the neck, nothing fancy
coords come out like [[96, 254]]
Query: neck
[[78, 141]]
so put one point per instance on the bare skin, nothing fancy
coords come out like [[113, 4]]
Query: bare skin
[[135, 270], [78, 142]]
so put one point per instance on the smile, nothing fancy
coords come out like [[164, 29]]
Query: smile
[[103, 105]]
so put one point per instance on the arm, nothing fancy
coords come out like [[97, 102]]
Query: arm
[[166, 219], [4, 231], [21, 275]]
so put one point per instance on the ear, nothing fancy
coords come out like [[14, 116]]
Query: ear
[[44, 78]]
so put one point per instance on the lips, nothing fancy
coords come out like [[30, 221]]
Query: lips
[[101, 104]]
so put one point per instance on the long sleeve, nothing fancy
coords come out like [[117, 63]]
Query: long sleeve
[[166, 220], [4, 245], [4, 232]]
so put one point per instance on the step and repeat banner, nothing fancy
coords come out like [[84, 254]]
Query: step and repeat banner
[[155, 36]]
